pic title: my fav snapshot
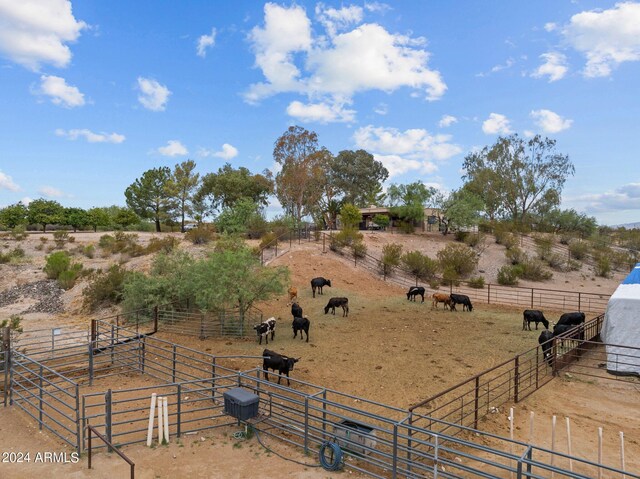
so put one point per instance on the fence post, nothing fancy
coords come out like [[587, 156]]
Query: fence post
[[6, 348], [516, 379], [201, 326], [144, 353], [79, 431], [112, 344], [40, 396], [323, 245], [554, 356], [531, 298], [213, 378], [173, 369], [489, 293], [179, 411], [53, 343], [476, 400], [579, 300], [107, 417], [155, 319], [394, 471], [276, 248], [306, 425]]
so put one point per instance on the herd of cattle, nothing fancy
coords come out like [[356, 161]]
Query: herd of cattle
[[301, 323]]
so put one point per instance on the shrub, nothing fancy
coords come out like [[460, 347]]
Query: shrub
[[201, 235], [60, 238], [71, 239], [573, 265], [457, 260], [534, 270], [515, 255], [359, 249], [508, 275], [281, 225], [461, 236], [13, 256], [477, 282], [382, 220], [106, 288], [13, 323], [257, 226], [19, 233], [39, 247], [89, 251], [268, 240], [578, 249], [67, 279], [473, 240], [391, 254], [602, 266], [166, 245], [420, 265], [56, 263], [544, 245], [406, 227], [106, 242], [556, 261], [43, 239], [434, 284]]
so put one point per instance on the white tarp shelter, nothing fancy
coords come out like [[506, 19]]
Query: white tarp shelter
[[622, 327]]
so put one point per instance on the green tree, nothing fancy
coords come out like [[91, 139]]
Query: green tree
[[150, 196], [125, 217], [408, 201], [570, 221], [420, 265], [98, 217], [45, 212], [357, 176], [182, 186], [350, 216], [13, 215], [516, 177], [77, 218], [458, 209], [236, 219]]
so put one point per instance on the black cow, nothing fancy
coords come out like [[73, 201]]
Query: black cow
[[561, 329], [264, 328], [533, 316], [334, 303], [319, 283], [415, 291], [283, 364], [296, 310], [301, 324], [461, 299], [571, 318], [545, 341]]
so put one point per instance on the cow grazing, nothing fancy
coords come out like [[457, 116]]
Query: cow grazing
[[263, 329], [441, 298], [463, 300], [301, 324], [571, 318], [319, 283], [278, 362], [533, 316], [545, 341], [415, 291], [296, 310], [293, 293], [335, 302], [562, 329]]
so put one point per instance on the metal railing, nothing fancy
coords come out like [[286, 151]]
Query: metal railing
[[209, 324], [91, 430]]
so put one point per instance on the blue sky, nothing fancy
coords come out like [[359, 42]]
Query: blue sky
[[92, 93]]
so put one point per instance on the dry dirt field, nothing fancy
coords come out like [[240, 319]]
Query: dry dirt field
[[389, 350]]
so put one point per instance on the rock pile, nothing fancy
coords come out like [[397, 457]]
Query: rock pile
[[46, 292]]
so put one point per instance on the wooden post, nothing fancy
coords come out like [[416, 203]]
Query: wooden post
[[569, 444], [489, 293], [531, 419], [155, 319], [152, 410], [108, 417], [553, 443], [622, 454], [160, 421]]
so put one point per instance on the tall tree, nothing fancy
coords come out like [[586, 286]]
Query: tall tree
[[408, 201], [358, 176], [458, 209], [150, 195], [517, 177], [182, 186], [45, 212], [295, 152], [13, 215], [98, 217], [76, 218]]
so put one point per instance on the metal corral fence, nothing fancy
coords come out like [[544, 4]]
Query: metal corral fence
[[209, 324], [464, 404], [283, 243]]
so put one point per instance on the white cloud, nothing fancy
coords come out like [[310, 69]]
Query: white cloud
[[554, 66], [550, 26], [447, 120], [626, 197], [33, 32], [173, 148], [60, 93], [90, 136], [320, 112], [606, 37], [413, 149], [26, 200], [381, 109], [549, 121], [227, 153], [332, 70], [7, 183], [528, 134], [507, 64], [51, 192], [496, 124], [205, 42], [153, 96], [378, 7]]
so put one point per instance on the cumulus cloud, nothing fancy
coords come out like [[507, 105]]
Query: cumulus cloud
[[626, 197], [549, 121], [331, 69], [51, 192], [606, 38], [554, 66], [320, 112], [447, 120], [227, 152], [153, 96], [413, 149], [205, 42], [496, 124], [33, 32], [60, 93], [7, 183], [173, 148], [90, 136]]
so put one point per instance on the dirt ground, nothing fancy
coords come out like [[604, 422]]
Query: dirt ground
[[389, 350]]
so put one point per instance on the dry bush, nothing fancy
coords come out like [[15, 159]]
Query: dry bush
[[166, 245], [477, 282], [457, 261], [201, 235], [579, 249]]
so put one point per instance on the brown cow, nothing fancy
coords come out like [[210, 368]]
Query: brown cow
[[441, 298], [293, 293]]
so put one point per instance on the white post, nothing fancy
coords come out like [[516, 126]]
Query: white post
[[553, 443], [599, 452], [511, 432], [532, 417], [165, 408], [622, 454], [569, 444], [151, 416], [160, 426]]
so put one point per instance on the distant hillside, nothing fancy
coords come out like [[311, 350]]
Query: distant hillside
[[629, 226]]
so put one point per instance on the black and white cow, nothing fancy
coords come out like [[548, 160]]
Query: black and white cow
[[278, 362], [533, 316], [319, 283], [263, 329], [461, 299], [301, 324], [296, 310], [338, 302], [545, 341], [415, 291]]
